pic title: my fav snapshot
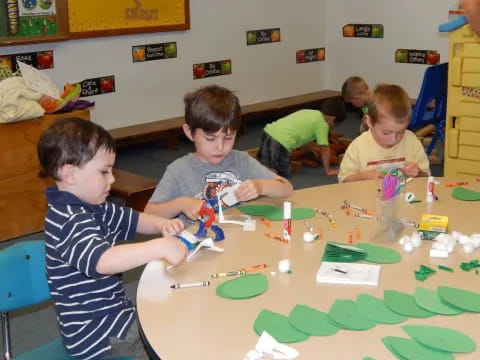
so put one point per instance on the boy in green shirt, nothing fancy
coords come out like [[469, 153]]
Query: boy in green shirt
[[289, 133]]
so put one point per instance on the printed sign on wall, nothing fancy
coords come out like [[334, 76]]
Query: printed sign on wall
[[410, 56], [97, 86], [363, 30], [214, 68], [310, 55], [39, 60], [265, 36], [149, 52]]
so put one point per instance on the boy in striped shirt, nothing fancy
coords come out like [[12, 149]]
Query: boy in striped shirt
[[86, 245]]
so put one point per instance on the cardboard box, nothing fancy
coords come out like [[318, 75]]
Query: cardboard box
[[432, 225]]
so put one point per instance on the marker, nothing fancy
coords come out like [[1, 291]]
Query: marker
[[287, 221], [196, 284], [229, 273], [460, 183], [254, 267]]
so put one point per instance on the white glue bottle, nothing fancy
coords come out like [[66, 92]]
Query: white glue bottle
[[287, 221], [430, 189]]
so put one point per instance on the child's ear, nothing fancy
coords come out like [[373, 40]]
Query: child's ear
[[368, 120], [187, 131], [67, 174]]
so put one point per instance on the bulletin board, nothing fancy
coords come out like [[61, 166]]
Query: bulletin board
[[92, 18]]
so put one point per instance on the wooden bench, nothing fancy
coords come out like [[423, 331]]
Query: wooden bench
[[168, 130], [135, 189]]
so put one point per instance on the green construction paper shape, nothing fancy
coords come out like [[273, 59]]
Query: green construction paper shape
[[462, 299], [346, 314], [440, 338], [379, 254], [404, 304], [338, 252], [429, 300], [409, 349], [274, 213], [461, 193], [376, 310], [278, 326], [311, 321], [243, 287], [386, 342]]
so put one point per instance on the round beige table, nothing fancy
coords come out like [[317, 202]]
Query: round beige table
[[195, 323]]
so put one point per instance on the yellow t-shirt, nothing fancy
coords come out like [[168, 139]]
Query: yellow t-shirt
[[364, 153]]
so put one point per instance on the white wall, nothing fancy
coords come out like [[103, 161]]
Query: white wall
[[154, 90], [408, 24]]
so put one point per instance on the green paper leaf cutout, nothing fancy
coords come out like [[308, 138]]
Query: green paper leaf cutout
[[376, 310], [429, 300], [404, 304], [380, 254], [274, 213], [411, 350], [243, 287], [338, 252], [311, 321], [278, 326], [464, 194], [440, 338], [462, 299], [386, 342], [346, 314]]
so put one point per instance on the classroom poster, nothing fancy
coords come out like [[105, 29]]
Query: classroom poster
[[363, 30], [40, 60], [214, 68], [98, 86], [265, 36], [411, 56], [310, 55]]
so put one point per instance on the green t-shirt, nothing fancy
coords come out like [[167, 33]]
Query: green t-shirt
[[365, 109], [299, 128]]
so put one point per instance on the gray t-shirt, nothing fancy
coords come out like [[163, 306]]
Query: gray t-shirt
[[189, 176]]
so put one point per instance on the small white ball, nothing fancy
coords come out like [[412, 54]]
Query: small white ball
[[408, 247], [308, 236], [416, 240], [456, 234], [468, 248], [403, 240], [463, 239], [284, 266], [409, 197]]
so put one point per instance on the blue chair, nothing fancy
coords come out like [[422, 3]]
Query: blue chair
[[433, 91], [23, 283]]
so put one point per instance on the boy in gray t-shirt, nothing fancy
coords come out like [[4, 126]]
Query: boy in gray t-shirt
[[212, 120]]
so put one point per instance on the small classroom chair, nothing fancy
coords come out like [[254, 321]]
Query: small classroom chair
[[23, 283], [431, 104]]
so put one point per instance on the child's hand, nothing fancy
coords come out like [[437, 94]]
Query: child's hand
[[171, 227], [175, 251], [191, 207], [332, 172], [410, 169], [372, 175], [248, 190]]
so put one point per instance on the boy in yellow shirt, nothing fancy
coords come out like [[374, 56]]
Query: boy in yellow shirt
[[387, 144]]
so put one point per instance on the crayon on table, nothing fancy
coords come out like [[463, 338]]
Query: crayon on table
[[189, 285]]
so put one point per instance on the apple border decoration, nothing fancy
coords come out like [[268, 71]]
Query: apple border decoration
[[213, 68], [98, 86], [363, 30], [411, 56], [310, 55], [159, 51], [264, 36], [39, 60]]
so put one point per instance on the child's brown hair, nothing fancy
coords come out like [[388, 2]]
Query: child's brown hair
[[394, 100], [353, 86], [212, 108]]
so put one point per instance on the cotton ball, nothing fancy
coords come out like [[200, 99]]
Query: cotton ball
[[443, 238], [403, 240], [409, 197], [464, 239], [416, 240], [284, 266], [308, 236], [475, 239], [456, 234], [408, 247], [468, 248]]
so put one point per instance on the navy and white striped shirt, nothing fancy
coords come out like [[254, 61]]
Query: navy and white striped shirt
[[90, 307]]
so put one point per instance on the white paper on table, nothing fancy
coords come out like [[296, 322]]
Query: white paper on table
[[227, 195], [38, 81], [348, 273]]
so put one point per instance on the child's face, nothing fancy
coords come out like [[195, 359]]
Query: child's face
[[93, 180], [212, 148], [386, 131], [360, 100]]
